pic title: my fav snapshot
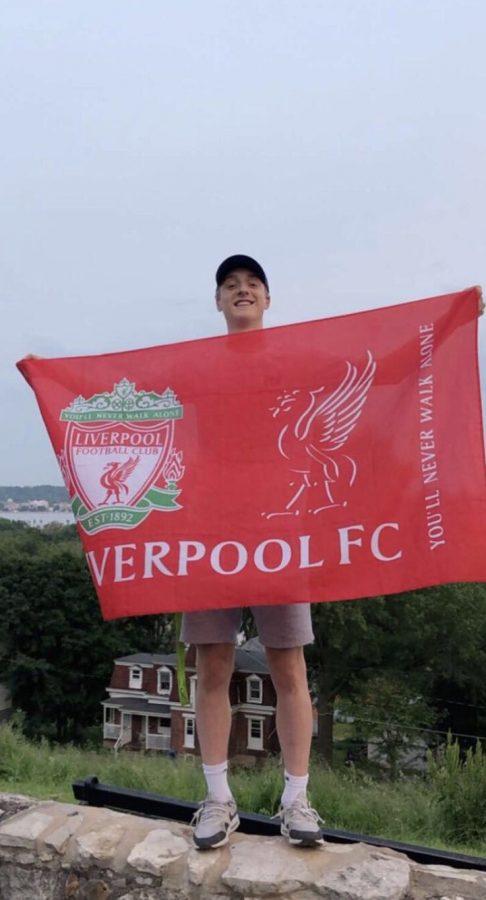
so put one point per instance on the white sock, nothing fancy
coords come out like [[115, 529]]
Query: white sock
[[294, 785], [217, 782]]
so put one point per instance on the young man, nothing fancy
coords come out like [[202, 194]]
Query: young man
[[242, 295]]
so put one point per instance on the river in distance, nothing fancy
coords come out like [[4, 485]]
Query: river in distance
[[39, 519]]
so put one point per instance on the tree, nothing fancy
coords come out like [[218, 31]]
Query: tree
[[389, 712], [437, 634], [348, 644], [57, 652]]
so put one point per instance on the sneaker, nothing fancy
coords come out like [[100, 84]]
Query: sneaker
[[213, 823], [299, 823]]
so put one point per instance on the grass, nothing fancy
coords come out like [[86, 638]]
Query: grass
[[408, 810]]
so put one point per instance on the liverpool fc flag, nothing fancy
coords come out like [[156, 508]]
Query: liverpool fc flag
[[327, 460]]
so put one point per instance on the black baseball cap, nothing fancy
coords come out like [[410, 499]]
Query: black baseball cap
[[239, 261]]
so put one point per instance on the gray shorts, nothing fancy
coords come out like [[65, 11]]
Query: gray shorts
[[280, 627]]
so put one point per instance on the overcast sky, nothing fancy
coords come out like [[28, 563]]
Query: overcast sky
[[341, 143]]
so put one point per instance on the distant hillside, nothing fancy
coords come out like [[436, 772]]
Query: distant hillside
[[54, 493]]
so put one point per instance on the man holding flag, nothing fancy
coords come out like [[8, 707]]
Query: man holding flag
[[417, 424], [242, 296]]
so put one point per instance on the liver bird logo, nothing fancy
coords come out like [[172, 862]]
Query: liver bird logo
[[115, 476], [319, 423]]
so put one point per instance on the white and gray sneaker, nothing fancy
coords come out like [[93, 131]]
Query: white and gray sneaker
[[213, 823], [299, 823]]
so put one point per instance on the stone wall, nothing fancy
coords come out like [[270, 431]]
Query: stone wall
[[54, 851]]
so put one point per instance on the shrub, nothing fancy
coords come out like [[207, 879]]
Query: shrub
[[460, 791]]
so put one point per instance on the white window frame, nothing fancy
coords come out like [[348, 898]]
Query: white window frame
[[190, 732], [110, 715], [135, 677], [253, 742], [254, 679], [164, 692]]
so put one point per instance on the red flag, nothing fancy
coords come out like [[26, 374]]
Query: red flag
[[326, 460]]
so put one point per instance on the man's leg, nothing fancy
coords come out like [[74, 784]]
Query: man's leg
[[214, 634], [284, 630], [294, 708], [299, 822], [215, 663]]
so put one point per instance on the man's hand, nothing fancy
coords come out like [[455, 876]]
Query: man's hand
[[34, 355]]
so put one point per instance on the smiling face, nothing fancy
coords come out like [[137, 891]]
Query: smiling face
[[243, 299]]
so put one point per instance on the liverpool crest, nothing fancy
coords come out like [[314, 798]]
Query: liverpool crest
[[119, 460]]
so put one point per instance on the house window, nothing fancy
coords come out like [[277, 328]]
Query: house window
[[255, 734], [110, 715], [254, 689], [164, 681], [135, 677], [163, 725], [189, 732]]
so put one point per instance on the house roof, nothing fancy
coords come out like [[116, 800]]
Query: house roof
[[149, 659], [250, 657], [138, 705]]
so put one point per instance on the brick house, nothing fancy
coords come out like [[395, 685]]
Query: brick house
[[143, 710]]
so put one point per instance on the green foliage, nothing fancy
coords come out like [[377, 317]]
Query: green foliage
[[405, 810], [348, 643], [354, 801], [390, 713], [460, 786], [437, 635], [56, 651], [441, 629], [43, 770], [258, 791], [11, 526]]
